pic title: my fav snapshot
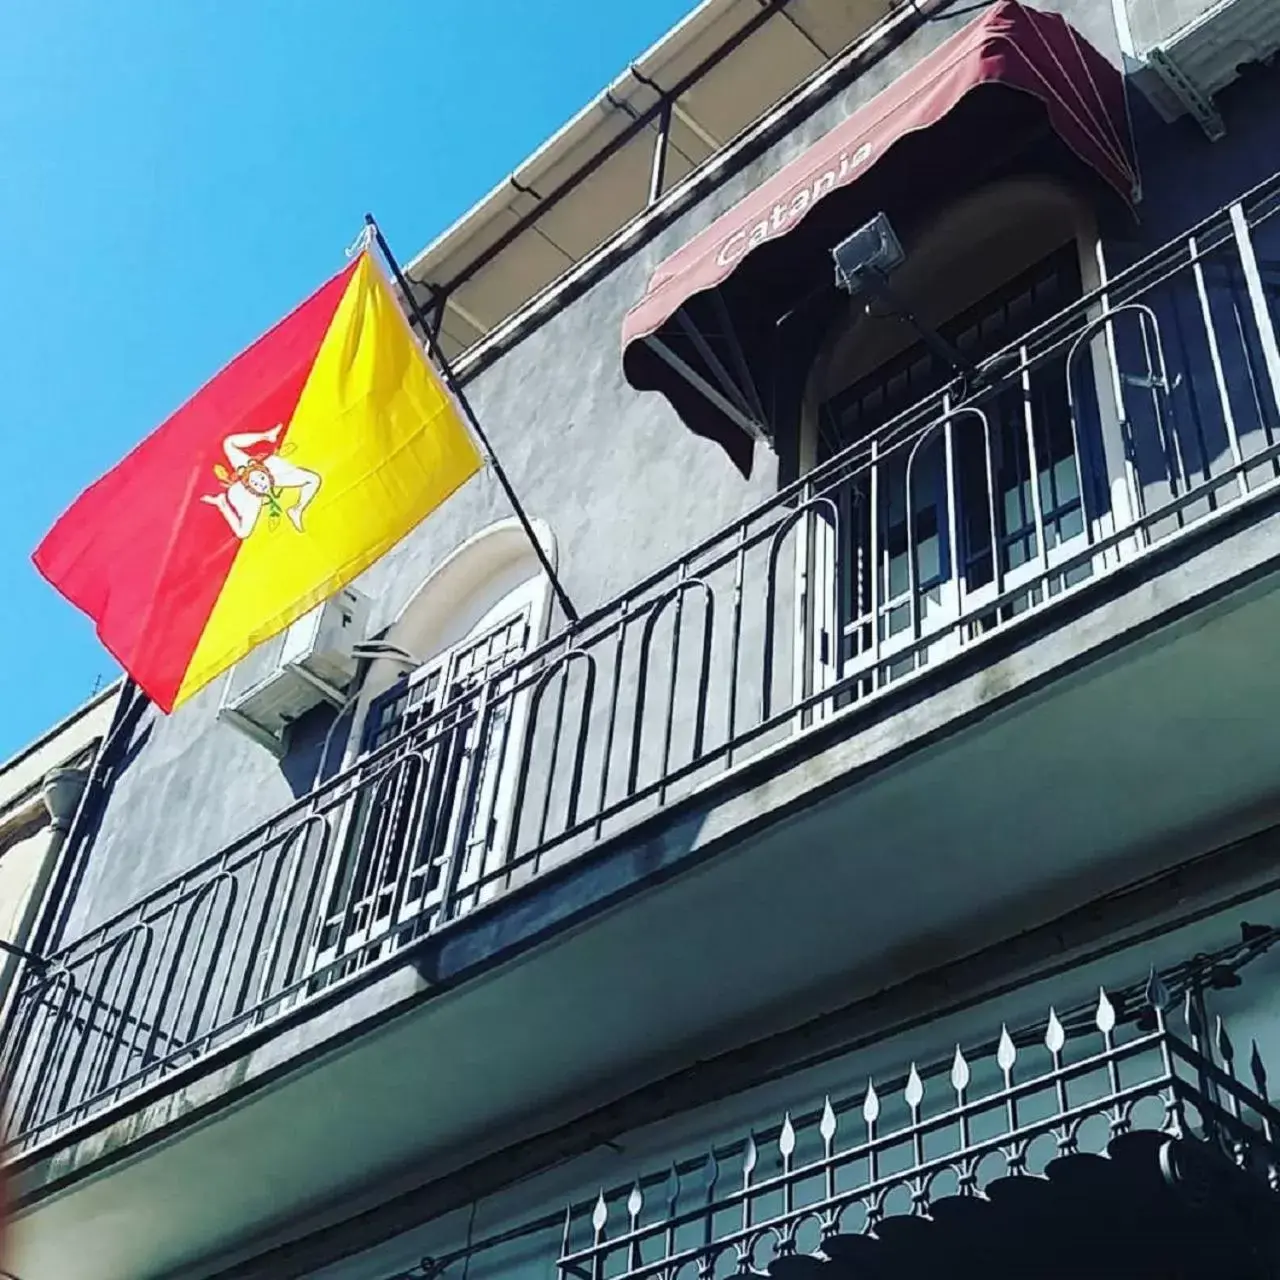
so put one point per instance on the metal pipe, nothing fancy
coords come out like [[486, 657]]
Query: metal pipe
[[641, 122], [873, 283], [11, 948], [673, 107], [660, 143], [451, 381], [51, 918], [59, 826]]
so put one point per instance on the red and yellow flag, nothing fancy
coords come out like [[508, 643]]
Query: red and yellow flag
[[306, 459]]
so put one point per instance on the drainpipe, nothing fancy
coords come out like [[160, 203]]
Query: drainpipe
[[60, 791], [75, 806], [88, 813]]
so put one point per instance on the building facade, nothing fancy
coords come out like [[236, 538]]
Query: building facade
[[876, 873], [40, 790]]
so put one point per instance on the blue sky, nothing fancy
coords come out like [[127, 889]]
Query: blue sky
[[175, 175]]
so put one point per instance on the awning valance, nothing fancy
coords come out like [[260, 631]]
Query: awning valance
[[1037, 56]]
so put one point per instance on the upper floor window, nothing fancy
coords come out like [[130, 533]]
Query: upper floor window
[[451, 675], [443, 741], [936, 520]]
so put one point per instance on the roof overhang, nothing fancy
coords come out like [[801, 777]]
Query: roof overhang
[[715, 74]]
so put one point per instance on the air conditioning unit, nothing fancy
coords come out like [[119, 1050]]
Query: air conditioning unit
[[308, 663], [1189, 50]]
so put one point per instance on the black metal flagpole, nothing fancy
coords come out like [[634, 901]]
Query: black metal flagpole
[[451, 381]]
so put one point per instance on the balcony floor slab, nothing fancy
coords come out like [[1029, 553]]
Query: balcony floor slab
[[1119, 732]]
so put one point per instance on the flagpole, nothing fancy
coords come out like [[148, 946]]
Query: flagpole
[[455, 387]]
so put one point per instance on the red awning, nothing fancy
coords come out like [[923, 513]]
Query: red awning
[[1036, 54]]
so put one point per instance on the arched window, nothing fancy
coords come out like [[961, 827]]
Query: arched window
[[441, 730], [917, 547]]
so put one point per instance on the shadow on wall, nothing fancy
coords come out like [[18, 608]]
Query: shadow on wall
[[133, 752], [301, 764], [1185, 177]]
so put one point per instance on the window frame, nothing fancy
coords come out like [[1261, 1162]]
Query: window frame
[[820, 661], [525, 607]]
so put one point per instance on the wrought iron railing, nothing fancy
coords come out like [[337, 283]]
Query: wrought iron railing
[[1166, 1110], [1135, 416], [1162, 1124]]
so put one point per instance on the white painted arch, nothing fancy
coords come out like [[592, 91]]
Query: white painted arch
[[493, 574]]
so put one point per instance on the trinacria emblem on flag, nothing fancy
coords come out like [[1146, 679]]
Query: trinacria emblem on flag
[[255, 482]]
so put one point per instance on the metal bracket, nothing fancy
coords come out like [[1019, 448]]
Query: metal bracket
[[322, 687], [1196, 102], [229, 715], [876, 286], [36, 962], [1151, 382], [731, 411]]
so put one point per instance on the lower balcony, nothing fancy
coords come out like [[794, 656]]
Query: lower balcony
[[1101, 1143], [1007, 652]]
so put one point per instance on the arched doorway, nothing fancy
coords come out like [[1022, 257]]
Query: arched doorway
[[958, 509], [440, 732]]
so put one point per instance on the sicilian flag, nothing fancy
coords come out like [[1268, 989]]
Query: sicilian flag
[[306, 459]]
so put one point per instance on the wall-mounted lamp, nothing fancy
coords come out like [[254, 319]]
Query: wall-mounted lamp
[[863, 262]]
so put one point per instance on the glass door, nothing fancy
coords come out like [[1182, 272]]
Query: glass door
[[433, 792], [916, 551]]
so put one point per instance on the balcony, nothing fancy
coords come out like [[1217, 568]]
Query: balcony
[[1086, 1145], [1128, 1135], [957, 606]]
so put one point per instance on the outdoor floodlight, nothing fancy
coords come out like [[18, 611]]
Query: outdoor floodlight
[[864, 260], [871, 250]]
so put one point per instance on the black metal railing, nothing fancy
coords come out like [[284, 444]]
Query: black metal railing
[[1016, 1121], [1140, 413], [968, 1132]]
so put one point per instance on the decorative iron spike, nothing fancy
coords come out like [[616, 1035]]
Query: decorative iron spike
[[1191, 1014], [600, 1214], [914, 1092], [635, 1202], [710, 1171], [1007, 1052], [1105, 1018], [1156, 994], [787, 1138], [959, 1072], [1222, 1042], [827, 1125], [871, 1104], [750, 1158], [1054, 1037], [673, 1191], [1258, 1070]]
